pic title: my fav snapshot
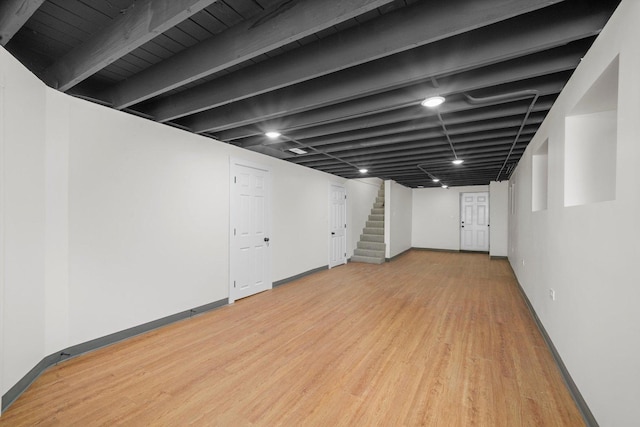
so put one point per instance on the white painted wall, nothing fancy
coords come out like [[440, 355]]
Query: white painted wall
[[110, 221], [398, 208], [498, 218], [589, 253], [23, 154], [361, 194], [436, 216]]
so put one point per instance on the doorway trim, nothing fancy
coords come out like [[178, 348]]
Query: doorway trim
[[461, 226], [233, 162], [346, 222]]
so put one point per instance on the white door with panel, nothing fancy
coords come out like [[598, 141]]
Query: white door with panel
[[337, 225], [249, 258], [474, 222]]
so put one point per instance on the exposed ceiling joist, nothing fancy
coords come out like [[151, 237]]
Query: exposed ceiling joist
[[139, 24], [482, 47], [356, 136], [466, 82], [410, 27], [289, 22], [13, 15], [342, 78]]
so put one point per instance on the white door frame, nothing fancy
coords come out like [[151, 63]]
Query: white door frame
[[233, 161], [333, 184], [2, 232], [461, 217]]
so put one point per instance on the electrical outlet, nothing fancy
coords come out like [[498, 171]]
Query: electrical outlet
[[552, 294]]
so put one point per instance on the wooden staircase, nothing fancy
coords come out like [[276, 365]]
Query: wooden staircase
[[371, 247]]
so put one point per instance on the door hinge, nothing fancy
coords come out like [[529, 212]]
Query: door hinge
[[235, 180], [345, 226], [234, 231], [345, 196], [234, 283]]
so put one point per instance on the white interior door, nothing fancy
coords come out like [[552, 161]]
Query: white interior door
[[474, 222], [250, 260], [337, 225]]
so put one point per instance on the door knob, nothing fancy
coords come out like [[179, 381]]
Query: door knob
[[333, 233], [266, 239]]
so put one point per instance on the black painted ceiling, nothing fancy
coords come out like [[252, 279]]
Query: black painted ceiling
[[341, 79]]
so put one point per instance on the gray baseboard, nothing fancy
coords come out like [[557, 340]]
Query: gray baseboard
[[399, 255], [53, 359], [299, 276], [587, 415], [436, 250], [498, 257]]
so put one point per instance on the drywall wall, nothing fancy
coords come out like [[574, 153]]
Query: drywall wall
[[22, 219], [149, 220], [398, 208], [588, 254], [499, 218], [110, 221], [361, 194], [436, 216]]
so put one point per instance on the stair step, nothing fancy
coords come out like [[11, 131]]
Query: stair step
[[381, 192], [369, 260], [369, 253], [373, 217], [377, 211], [371, 230], [378, 205], [376, 246], [380, 199], [372, 238], [375, 224]]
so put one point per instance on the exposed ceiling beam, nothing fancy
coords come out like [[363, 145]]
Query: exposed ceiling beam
[[13, 15], [474, 132], [426, 117], [287, 23], [481, 47], [472, 81], [356, 135], [417, 147], [406, 28], [373, 122], [142, 22]]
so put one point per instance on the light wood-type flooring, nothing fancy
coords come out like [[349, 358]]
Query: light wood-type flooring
[[428, 339]]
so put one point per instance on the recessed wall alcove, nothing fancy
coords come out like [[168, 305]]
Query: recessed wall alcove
[[591, 130], [540, 177]]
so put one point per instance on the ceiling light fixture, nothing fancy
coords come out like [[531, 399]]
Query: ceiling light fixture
[[364, 170], [433, 101], [297, 150], [436, 179], [445, 186], [272, 134], [457, 161]]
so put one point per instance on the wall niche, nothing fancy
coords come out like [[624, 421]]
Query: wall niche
[[591, 133]]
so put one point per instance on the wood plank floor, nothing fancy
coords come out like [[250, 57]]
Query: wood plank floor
[[429, 339]]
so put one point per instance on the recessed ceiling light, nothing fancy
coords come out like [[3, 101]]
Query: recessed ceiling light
[[272, 134], [420, 186], [457, 161], [436, 179], [433, 101], [297, 150], [364, 170], [445, 186]]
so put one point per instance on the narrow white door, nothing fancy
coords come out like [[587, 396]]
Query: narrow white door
[[250, 261], [337, 225], [474, 222]]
